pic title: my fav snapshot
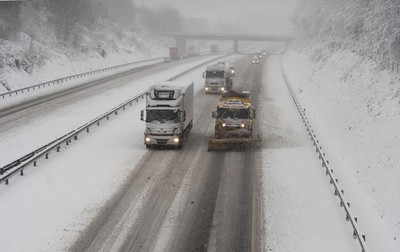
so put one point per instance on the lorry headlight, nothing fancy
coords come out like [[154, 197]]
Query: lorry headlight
[[224, 124], [147, 139], [176, 140], [206, 88], [242, 125], [222, 89]]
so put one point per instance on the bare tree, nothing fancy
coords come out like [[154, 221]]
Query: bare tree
[[161, 20], [10, 14], [121, 12]]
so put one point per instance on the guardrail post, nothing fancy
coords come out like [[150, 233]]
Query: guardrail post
[[87, 129], [47, 156], [58, 148], [34, 163], [21, 172]]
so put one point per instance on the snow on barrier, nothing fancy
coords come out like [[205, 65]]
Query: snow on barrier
[[328, 170], [77, 76], [22, 163]]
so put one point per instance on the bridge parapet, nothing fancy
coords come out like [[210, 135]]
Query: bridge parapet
[[181, 38]]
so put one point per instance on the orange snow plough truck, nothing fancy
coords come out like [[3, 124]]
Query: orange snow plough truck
[[234, 122]]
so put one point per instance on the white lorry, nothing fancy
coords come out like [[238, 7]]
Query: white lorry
[[168, 114], [218, 79]]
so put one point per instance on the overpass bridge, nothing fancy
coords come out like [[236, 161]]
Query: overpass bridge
[[181, 38]]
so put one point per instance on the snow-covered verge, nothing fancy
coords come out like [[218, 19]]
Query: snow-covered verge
[[24, 62], [353, 106]]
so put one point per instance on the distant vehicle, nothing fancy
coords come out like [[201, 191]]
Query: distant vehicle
[[258, 55], [193, 51], [218, 79], [230, 69], [214, 48], [233, 121], [256, 60], [168, 114], [174, 53]]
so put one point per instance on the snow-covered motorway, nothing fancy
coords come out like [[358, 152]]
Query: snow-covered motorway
[[106, 192]]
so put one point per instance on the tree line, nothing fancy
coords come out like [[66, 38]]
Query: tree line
[[68, 17], [358, 24]]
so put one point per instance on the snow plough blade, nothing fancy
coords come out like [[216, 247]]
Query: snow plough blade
[[232, 143]]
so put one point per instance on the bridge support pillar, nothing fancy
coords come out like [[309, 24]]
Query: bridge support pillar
[[236, 46]]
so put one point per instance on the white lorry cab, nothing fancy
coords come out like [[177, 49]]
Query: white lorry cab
[[218, 79], [168, 114]]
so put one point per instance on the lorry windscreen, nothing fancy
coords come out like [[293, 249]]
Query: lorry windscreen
[[162, 116], [214, 74], [233, 113]]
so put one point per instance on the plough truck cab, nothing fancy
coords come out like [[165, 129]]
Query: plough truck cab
[[233, 122]]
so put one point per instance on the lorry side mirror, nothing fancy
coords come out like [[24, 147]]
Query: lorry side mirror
[[204, 74], [253, 114], [142, 115], [183, 116], [214, 114]]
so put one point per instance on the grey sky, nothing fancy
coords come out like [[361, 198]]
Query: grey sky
[[252, 16]]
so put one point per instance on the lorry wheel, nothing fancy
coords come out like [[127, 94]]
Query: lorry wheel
[[148, 146]]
